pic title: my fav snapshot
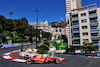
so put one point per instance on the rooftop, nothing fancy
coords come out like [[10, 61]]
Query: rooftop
[[85, 7]]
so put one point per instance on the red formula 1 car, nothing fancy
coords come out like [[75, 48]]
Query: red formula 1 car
[[42, 59]]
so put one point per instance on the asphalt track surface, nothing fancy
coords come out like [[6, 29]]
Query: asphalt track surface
[[70, 61]]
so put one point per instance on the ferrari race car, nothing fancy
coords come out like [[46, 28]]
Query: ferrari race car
[[46, 59]]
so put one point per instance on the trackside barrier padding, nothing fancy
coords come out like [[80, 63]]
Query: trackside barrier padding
[[16, 44], [7, 45]]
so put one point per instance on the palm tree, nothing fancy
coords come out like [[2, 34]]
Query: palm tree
[[11, 13]]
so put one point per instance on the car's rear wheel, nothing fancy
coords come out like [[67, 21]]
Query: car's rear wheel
[[28, 61], [57, 61]]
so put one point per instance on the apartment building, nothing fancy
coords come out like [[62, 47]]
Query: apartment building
[[71, 5], [85, 25]]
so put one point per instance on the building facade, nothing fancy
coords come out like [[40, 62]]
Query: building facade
[[56, 32], [44, 26], [72, 4], [85, 25]]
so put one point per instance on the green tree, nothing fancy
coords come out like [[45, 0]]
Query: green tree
[[1, 29], [3, 22], [9, 25], [46, 35], [88, 47], [43, 49]]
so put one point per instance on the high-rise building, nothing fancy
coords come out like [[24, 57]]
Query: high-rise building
[[85, 26], [72, 4]]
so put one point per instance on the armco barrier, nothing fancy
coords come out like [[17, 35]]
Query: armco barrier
[[16, 44], [7, 45]]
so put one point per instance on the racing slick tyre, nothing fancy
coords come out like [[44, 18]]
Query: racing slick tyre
[[28, 61], [57, 61]]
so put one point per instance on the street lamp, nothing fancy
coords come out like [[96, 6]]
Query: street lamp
[[11, 13], [37, 22]]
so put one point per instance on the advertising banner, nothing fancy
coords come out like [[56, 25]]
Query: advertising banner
[[6, 45], [16, 44], [61, 46], [99, 46]]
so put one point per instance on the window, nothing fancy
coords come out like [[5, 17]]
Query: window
[[60, 30], [86, 33], [56, 30], [84, 27], [83, 21], [86, 40], [84, 14]]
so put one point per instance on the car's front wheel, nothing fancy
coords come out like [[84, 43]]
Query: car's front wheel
[[28, 61], [57, 61]]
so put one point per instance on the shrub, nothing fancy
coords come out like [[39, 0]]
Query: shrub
[[10, 34], [43, 49], [15, 39], [53, 43], [97, 51], [22, 36]]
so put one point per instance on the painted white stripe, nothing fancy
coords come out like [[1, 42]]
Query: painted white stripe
[[19, 60], [7, 53], [6, 57]]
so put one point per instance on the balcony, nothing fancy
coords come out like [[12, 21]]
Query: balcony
[[76, 31], [75, 26], [74, 14], [96, 44], [95, 37], [76, 38], [93, 15], [75, 19], [92, 10], [94, 30], [94, 23]]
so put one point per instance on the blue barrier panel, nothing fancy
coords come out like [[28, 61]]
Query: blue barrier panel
[[82, 53], [95, 54], [98, 54], [7, 45]]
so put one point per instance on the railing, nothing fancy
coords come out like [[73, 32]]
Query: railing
[[76, 30], [75, 23], [74, 18], [95, 41], [93, 21], [94, 28], [94, 35], [76, 36], [93, 14]]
